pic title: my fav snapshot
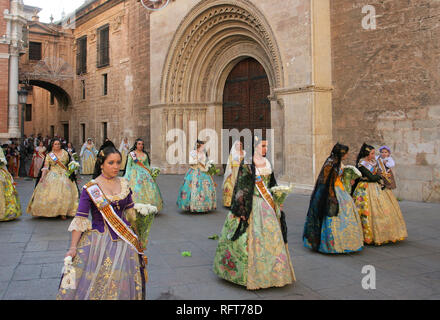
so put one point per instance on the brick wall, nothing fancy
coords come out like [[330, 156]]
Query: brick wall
[[387, 87]]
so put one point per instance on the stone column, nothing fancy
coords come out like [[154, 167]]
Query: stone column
[[308, 108], [13, 123]]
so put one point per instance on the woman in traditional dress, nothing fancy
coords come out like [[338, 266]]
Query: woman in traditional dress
[[37, 160], [138, 174], [197, 193], [13, 158], [88, 157], [10, 207], [107, 262], [252, 250], [332, 223], [235, 157], [70, 149], [124, 149], [55, 193], [382, 220]]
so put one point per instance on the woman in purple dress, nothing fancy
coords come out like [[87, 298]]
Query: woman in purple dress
[[107, 263]]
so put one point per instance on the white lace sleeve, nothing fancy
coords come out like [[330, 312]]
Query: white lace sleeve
[[80, 224]]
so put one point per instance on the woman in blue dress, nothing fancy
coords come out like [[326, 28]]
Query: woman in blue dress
[[138, 173], [332, 224], [197, 194]]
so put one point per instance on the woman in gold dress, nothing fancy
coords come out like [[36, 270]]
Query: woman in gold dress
[[10, 207], [237, 154], [55, 193], [124, 149], [381, 218], [88, 157]]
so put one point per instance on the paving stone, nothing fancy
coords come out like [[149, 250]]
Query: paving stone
[[34, 249], [37, 246], [27, 272], [40, 289], [6, 273]]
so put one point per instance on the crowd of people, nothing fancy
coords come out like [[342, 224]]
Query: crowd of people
[[350, 206]]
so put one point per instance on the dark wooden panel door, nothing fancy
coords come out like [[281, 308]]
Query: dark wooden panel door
[[245, 103]]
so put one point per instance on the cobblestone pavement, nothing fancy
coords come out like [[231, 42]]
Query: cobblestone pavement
[[32, 251]]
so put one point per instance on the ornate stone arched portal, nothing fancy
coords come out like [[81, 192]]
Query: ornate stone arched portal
[[213, 37]]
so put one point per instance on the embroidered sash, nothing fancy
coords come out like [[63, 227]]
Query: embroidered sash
[[56, 160], [384, 172], [115, 222], [136, 160], [267, 196]]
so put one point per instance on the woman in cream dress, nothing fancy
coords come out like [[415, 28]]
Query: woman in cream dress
[[88, 157]]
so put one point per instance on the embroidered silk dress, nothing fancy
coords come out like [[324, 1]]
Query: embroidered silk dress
[[124, 148], [37, 161], [197, 193], [259, 258], [231, 173], [145, 188], [56, 195], [382, 220], [341, 233], [106, 267], [88, 158], [10, 207]]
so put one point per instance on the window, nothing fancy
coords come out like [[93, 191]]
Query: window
[[52, 131], [83, 89], [104, 84], [35, 51], [103, 47], [83, 132], [81, 55], [28, 112], [104, 131], [52, 99]]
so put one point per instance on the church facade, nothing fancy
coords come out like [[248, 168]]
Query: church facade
[[315, 72]]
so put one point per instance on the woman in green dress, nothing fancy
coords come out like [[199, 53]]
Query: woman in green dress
[[252, 250], [10, 207], [138, 173]]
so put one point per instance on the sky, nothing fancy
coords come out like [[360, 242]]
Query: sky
[[54, 7]]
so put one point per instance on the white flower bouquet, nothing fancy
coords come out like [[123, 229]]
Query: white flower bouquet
[[212, 169], [155, 172], [144, 219], [69, 277], [72, 167], [280, 193]]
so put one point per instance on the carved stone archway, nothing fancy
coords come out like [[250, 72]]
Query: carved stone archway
[[212, 38]]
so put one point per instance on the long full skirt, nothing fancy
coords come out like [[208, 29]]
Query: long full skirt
[[105, 270], [10, 207], [228, 187], [144, 187], [382, 220], [55, 196], [197, 193], [342, 233], [259, 258], [124, 155], [88, 160]]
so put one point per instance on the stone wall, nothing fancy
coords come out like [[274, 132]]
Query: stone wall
[[387, 87]]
